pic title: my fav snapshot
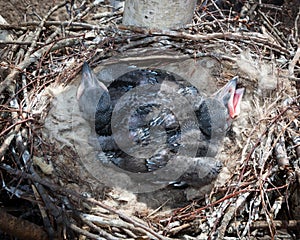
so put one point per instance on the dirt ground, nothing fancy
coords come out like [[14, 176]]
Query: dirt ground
[[15, 11]]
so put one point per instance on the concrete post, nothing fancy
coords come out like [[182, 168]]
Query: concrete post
[[158, 14]]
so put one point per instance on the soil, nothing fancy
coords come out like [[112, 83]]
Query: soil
[[15, 11]]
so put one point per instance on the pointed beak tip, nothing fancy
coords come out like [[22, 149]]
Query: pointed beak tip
[[234, 81], [86, 67]]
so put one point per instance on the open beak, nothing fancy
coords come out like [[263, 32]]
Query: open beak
[[231, 97]]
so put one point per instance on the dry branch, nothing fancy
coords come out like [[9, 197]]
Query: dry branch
[[20, 228]]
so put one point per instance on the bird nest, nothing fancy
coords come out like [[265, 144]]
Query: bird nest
[[48, 193]]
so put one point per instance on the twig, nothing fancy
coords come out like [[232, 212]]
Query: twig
[[294, 61], [125, 217], [176, 230], [45, 218], [100, 231], [30, 57], [20, 228], [67, 24], [111, 223], [270, 6], [12, 27], [244, 36], [15, 124], [7, 141], [279, 224], [76, 195], [296, 25], [259, 140], [228, 216], [17, 42], [144, 41], [272, 29], [85, 232]]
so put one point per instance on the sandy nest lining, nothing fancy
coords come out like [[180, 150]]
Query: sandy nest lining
[[48, 193]]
